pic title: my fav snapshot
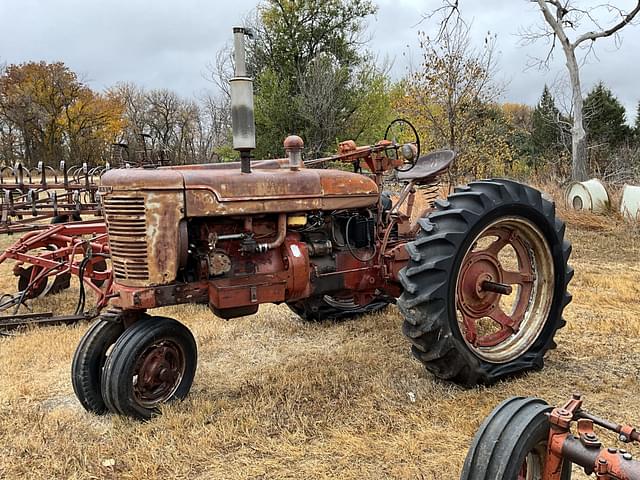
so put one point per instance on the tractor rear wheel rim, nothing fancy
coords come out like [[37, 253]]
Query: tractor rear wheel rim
[[496, 325], [158, 373]]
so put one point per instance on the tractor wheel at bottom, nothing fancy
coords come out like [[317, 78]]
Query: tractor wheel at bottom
[[88, 361], [318, 309], [486, 283], [152, 363], [511, 443]]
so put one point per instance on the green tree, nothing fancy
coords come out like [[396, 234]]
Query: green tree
[[550, 137], [605, 118], [311, 73], [545, 132]]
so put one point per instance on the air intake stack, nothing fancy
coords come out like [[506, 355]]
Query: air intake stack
[[244, 127]]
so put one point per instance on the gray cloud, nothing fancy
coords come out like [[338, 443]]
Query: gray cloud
[[164, 44]]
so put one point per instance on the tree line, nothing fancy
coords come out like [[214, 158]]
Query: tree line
[[315, 77], [47, 114]]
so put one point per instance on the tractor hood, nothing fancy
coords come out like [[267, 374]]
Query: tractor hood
[[212, 190]]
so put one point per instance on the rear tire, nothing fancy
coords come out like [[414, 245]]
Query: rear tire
[[511, 443], [444, 303], [153, 362]]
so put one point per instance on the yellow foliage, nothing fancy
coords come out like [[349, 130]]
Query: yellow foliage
[[56, 114]]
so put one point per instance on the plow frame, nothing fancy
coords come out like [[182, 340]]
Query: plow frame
[[62, 249]]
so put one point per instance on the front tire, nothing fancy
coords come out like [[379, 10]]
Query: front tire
[[486, 284], [511, 443], [153, 362], [88, 361]]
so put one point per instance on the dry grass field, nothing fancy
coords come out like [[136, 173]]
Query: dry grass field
[[277, 398]]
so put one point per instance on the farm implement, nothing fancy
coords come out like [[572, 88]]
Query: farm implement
[[46, 259], [33, 195], [39, 203], [524, 438]]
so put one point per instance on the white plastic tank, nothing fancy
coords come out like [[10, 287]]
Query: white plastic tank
[[630, 203], [589, 195]]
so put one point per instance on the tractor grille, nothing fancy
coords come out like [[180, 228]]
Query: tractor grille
[[127, 226]]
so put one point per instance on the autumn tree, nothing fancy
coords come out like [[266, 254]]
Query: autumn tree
[[161, 125], [450, 94], [49, 115]]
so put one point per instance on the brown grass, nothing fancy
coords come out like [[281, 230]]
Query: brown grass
[[276, 398]]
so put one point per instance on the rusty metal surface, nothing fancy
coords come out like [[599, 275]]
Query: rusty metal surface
[[31, 195], [235, 228], [585, 449], [46, 260], [141, 179], [144, 225], [274, 191]]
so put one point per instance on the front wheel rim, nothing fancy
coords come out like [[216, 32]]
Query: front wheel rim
[[533, 464], [502, 309], [158, 373]]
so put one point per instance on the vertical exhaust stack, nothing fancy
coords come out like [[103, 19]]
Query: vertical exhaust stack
[[244, 127]]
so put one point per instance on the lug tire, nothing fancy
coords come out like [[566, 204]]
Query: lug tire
[[135, 345], [511, 443], [88, 362], [430, 279]]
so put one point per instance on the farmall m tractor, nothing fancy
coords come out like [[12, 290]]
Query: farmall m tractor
[[480, 278]]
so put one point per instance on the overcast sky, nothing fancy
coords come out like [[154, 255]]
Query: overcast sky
[[167, 44]]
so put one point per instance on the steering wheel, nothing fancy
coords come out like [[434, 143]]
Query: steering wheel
[[409, 154]]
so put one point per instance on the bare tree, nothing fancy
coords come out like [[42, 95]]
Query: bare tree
[[562, 17]]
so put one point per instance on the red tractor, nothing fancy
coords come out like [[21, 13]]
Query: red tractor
[[481, 277]]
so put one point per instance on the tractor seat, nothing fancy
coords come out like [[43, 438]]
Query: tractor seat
[[429, 166]]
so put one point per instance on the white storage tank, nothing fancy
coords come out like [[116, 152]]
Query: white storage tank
[[589, 195], [630, 203]]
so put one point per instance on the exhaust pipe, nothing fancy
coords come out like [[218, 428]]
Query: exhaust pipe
[[242, 118]]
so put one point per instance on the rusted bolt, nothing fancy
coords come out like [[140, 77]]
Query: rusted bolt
[[612, 450], [602, 461]]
